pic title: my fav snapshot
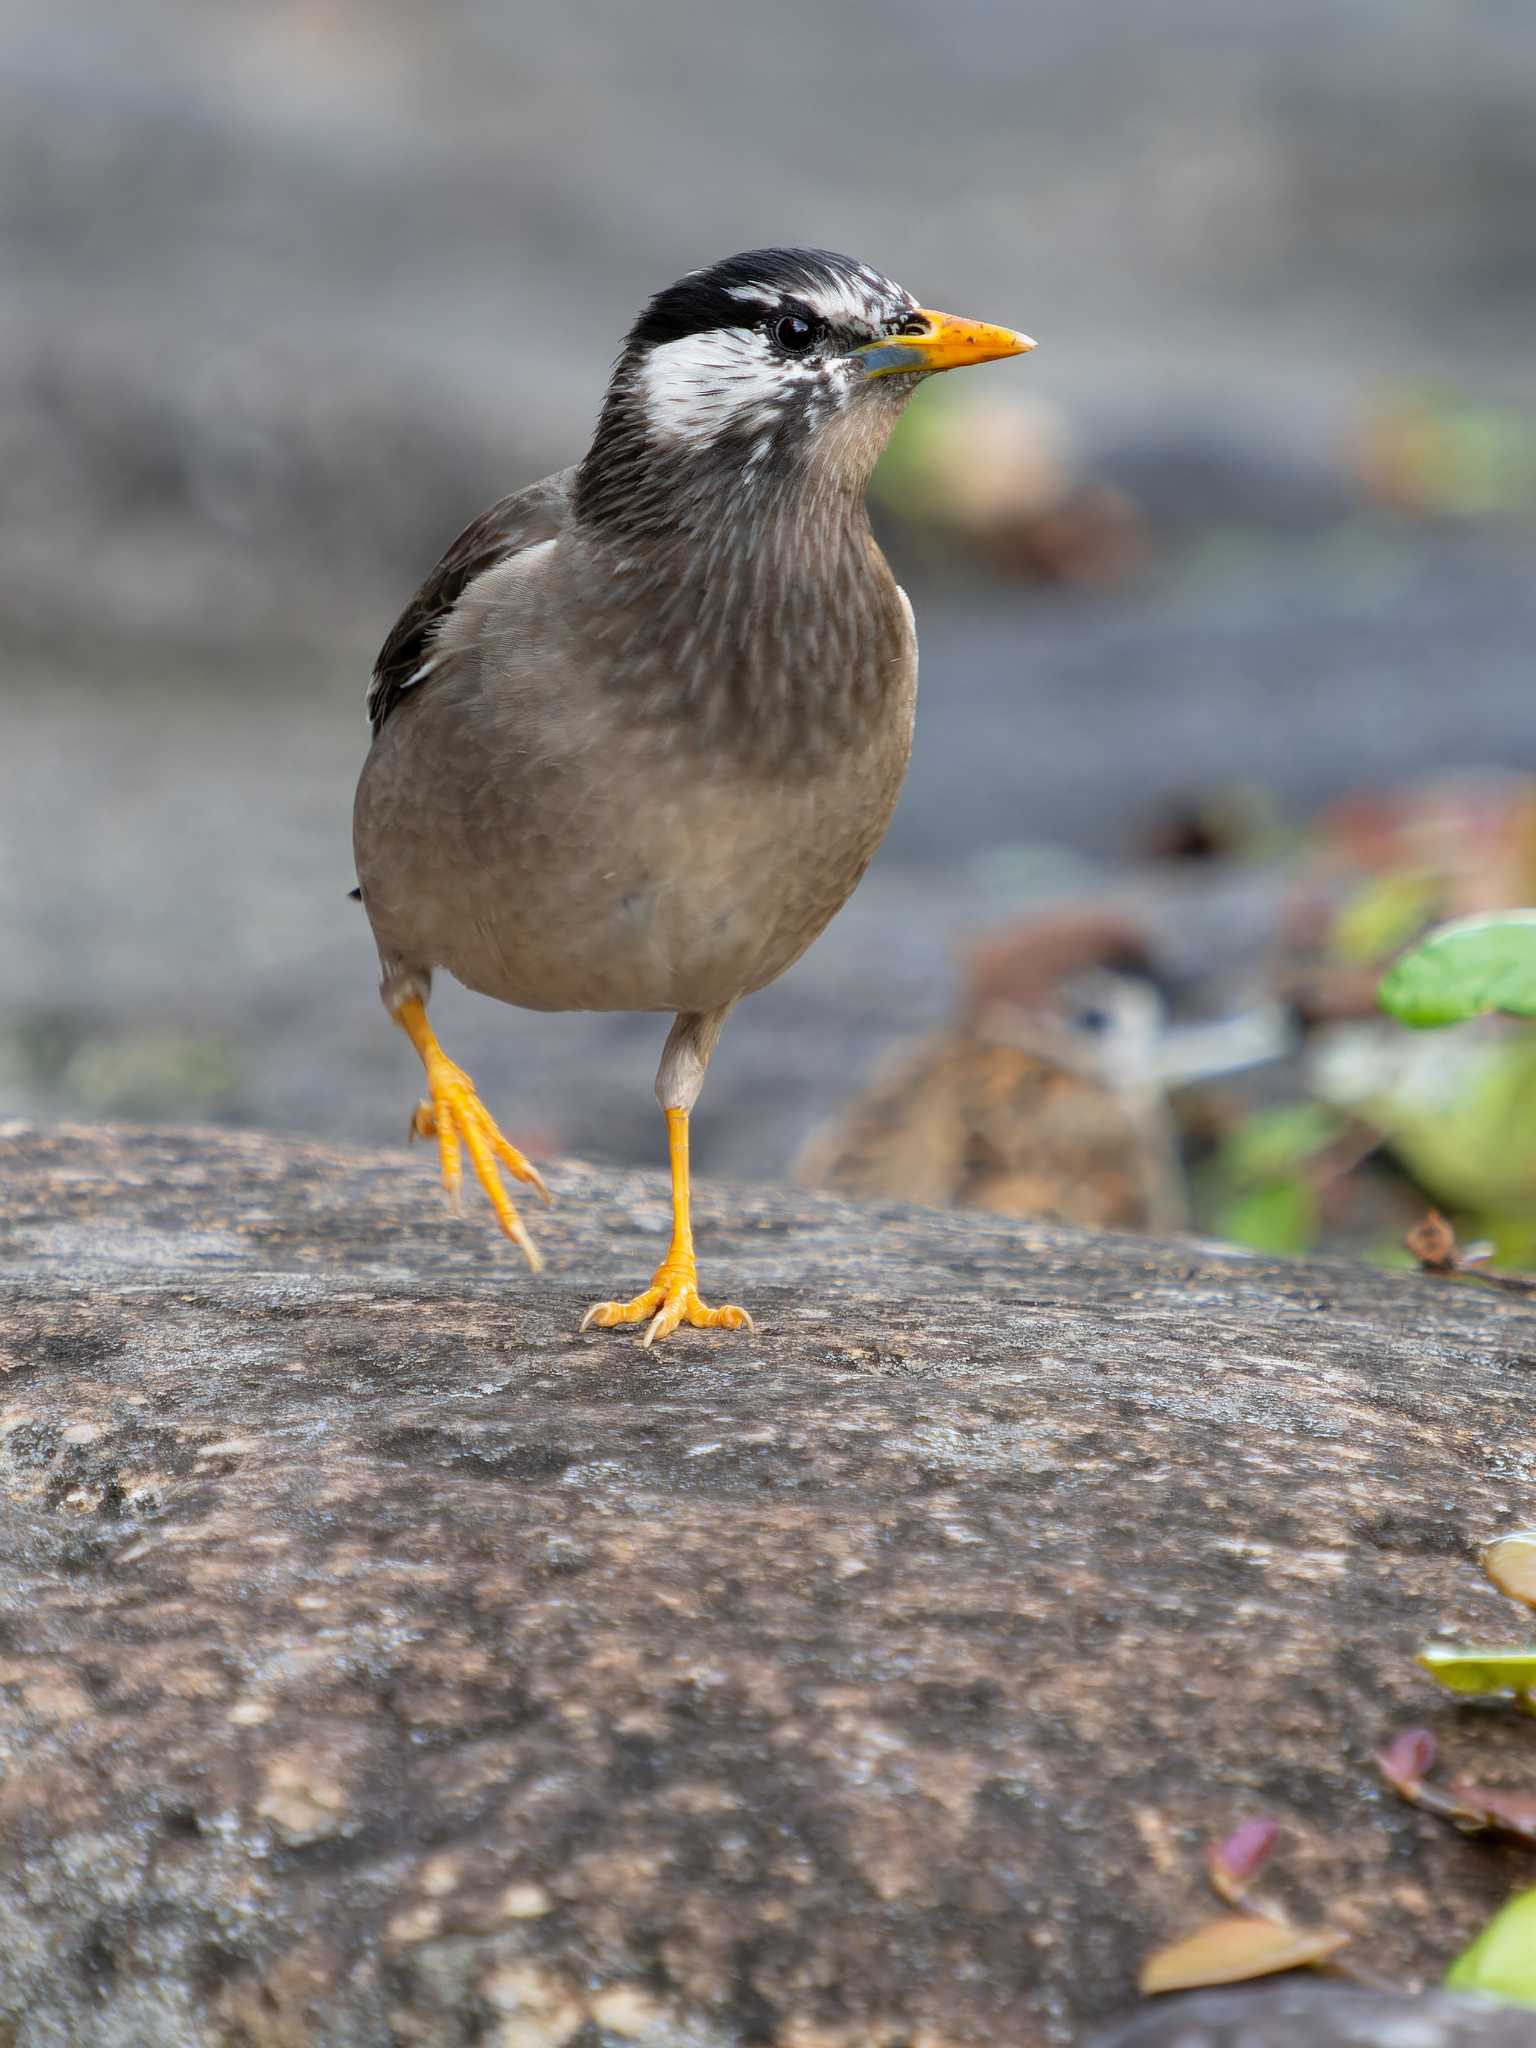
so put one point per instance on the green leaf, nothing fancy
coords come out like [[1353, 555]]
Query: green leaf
[[1466, 969], [1479, 1671], [1461, 1116], [1280, 1219], [1501, 1963], [1382, 915], [1274, 1142]]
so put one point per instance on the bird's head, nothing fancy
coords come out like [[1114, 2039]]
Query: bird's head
[[776, 366]]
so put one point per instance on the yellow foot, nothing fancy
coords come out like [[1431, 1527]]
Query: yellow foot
[[460, 1122], [671, 1299]]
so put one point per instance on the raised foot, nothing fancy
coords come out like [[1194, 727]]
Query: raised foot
[[671, 1300], [461, 1123]]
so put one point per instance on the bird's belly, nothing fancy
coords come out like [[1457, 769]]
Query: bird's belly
[[665, 925], [613, 868], [684, 899], [645, 954]]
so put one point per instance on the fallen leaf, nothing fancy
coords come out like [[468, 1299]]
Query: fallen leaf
[[1433, 1243], [1466, 969], [1408, 1759], [1512, 1812], [1510, 1561], [1479, 1671], [1501, 1963], [1232, 1950], [1238, 1858]]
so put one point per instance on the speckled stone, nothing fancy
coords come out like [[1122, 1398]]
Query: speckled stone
[[382, 1662], [1297, 2014]]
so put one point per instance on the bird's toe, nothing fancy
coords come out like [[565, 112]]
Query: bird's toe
[[461, 1123], [664, 1307]]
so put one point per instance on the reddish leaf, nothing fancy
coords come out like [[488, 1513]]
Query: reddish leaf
[[1237, 1860], [1407, 1759], [1512, 1813], [1231, 1951]]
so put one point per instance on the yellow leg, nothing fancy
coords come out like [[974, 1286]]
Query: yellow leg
[[673, 1295], [461, 1123]]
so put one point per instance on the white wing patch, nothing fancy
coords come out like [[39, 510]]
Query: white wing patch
[[451, 632]]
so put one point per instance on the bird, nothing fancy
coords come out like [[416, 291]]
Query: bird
[[1044, 1096], [638, 734]]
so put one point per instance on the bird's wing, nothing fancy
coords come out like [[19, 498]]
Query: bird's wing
[[521, 521]]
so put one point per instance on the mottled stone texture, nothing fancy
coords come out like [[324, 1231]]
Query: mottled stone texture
[[1298, 2014], [381, 1662]]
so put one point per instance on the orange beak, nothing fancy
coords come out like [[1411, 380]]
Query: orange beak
[[948, 344]]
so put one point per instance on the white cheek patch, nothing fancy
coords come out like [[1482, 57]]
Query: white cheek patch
[[696, 387]]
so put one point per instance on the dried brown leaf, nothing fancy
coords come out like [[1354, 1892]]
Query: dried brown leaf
[[1433, 1243], [1510, 1562], [1232, 1950], [1511, 1813]]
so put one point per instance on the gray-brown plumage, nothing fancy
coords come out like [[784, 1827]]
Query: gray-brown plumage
[[639, 733]]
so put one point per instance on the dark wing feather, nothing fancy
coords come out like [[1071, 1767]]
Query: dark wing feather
[[515, 523]]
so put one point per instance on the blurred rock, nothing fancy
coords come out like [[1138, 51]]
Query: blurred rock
[[1210, 825], [294, 289], [1312, 2015], [1022, 966], [242, 226], [258, 500], [1442, 455], [1198, 486], [987, 479]]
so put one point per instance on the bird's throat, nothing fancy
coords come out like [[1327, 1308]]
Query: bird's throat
[[772, 626]]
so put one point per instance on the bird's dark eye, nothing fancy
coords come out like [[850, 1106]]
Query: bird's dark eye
[[795, 335], [910, 323]]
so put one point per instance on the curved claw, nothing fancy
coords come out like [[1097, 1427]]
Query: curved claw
[[461, 1123], [666, 1304]]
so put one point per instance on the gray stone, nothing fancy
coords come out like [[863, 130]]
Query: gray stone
[[383, 1662], [1303, 2015]]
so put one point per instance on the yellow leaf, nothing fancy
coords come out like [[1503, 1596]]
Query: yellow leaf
[[1480, 1671], [1501, 1963], [1510, 1562], [1232, 1950]]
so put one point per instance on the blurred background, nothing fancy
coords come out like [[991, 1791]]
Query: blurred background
[[1225, 595]]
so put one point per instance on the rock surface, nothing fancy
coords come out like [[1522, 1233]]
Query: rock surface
[[1301, 2015], [382, 1662]]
